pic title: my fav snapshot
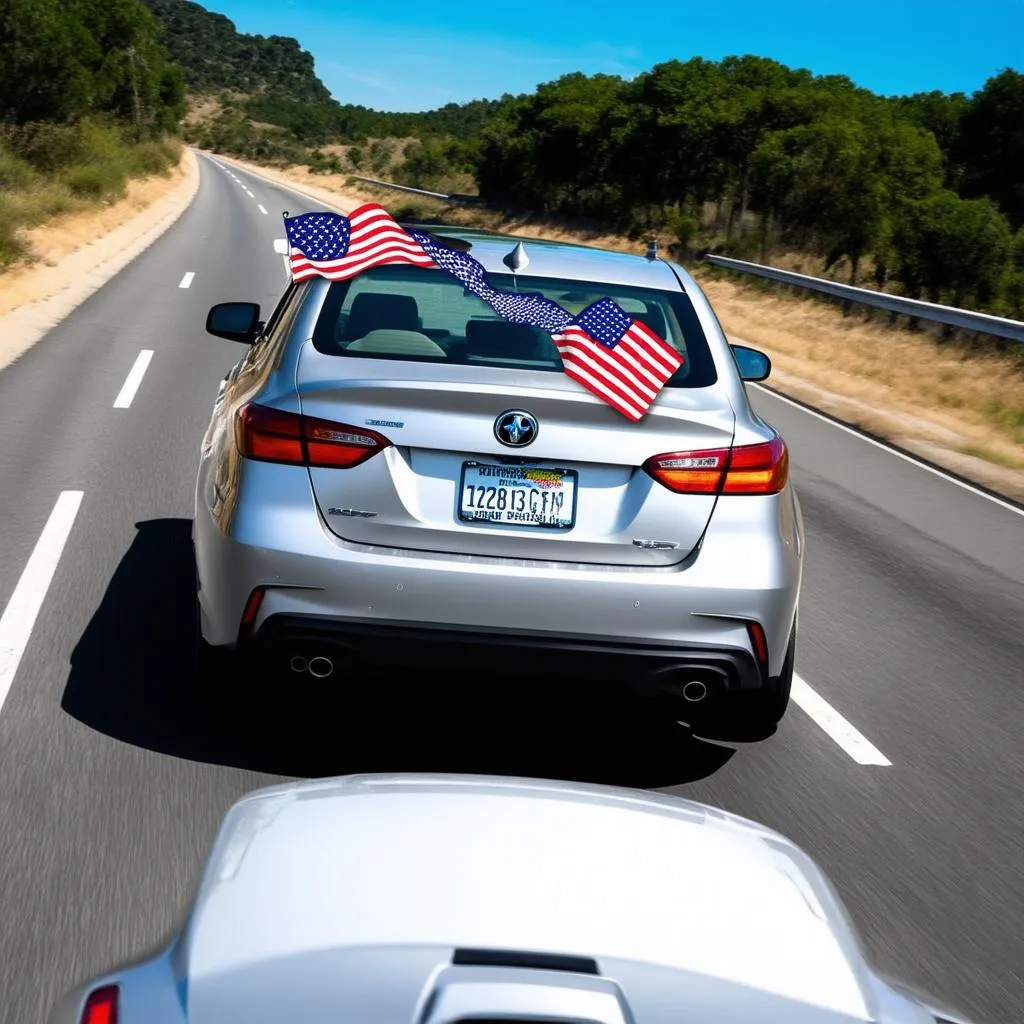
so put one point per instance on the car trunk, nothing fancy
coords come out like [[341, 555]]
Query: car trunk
[[578, 493]]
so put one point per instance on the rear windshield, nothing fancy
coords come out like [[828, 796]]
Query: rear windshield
[[425, 315]]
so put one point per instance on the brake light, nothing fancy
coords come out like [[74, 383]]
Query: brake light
[[269, 435], [746, 469], [101, 1006], [758, 468]]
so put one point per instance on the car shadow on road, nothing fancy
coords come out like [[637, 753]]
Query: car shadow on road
[[133, 677]]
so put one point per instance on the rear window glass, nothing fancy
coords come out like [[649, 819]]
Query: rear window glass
[[423, 315]]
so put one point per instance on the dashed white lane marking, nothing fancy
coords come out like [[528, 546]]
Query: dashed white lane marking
[[263, 210], [133, 380], [249, 194], [892, 451], [19, 616], [853, 742], [186, 281]]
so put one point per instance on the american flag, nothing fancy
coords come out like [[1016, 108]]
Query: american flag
[[337, 247], [528, 308], [616, 358]]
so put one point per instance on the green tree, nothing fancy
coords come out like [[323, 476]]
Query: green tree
[[44, 70], [991, 144], [67, 60], [948, 246]]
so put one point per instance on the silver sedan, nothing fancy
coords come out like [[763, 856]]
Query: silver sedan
[[417, 899], [393, 475]]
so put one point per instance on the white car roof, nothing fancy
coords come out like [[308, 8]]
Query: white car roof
[[369, 862]]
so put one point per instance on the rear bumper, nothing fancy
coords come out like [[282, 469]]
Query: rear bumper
[[748, 568], [650, 668]]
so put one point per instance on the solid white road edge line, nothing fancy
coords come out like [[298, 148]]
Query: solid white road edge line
[[853, 742], [133, 380], [19, 616], [892, 451], [186, 281]]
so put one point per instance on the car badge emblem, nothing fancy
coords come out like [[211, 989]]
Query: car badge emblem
[[516, 428]]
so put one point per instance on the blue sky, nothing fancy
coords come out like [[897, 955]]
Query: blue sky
[[403, 55]]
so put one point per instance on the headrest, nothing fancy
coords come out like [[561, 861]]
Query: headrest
[[498, 339], [378, 310], [397, 343]]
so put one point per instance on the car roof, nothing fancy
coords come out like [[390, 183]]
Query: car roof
[[405, 861], [549, 258]]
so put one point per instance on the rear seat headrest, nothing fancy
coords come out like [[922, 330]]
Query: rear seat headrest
[[379, 310]]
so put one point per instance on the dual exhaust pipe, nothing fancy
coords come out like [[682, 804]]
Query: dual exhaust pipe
[[319, 667]]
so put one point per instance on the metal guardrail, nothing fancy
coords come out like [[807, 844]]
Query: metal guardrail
[[451, 197], [968, 320], [965, 319]]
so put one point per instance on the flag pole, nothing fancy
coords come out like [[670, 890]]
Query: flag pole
[[286, 255]]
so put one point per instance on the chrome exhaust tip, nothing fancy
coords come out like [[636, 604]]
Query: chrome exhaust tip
[[298, 664], [694, 691], [321, 667]]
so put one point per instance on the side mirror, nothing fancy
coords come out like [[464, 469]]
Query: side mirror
[[753, 365], [236, 321]]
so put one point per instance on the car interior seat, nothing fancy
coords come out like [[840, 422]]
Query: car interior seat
[[373, 311]]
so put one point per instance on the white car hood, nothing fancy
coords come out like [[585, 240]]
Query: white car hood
[[421, 862]]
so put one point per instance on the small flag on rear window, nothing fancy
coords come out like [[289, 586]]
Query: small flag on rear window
[[616, 358], [337, 247]]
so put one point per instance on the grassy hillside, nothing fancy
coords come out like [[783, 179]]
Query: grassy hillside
[[87, 97], [260, 97]]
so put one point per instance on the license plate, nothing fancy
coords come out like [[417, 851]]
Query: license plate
[[517, 495]]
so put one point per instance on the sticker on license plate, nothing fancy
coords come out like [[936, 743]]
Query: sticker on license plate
[[517, 495]]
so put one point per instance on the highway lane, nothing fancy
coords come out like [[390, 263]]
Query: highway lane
[[115, 768]]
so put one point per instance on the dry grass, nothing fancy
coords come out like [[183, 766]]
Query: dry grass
[[72, 243], [959, 409], [201, 110]]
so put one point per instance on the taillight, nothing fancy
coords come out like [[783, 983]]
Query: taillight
[[101, 1006], [746, 469], [758, 469], [269, 435]]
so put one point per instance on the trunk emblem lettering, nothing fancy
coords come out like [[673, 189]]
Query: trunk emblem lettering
[[655, 545], [353, 512]]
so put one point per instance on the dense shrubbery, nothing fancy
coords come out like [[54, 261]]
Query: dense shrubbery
[[47, 169]]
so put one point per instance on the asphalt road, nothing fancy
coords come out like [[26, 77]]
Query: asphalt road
[[115, 770]]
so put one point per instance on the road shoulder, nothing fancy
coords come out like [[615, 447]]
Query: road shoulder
[[37, 297]]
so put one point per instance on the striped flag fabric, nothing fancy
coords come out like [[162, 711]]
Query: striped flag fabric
[[337, 247], [616, 358]]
